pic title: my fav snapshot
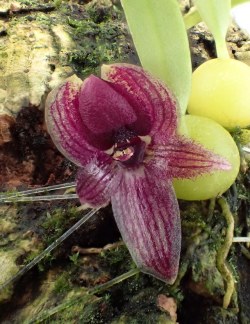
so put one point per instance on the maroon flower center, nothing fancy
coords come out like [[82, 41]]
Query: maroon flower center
[[129, 149]]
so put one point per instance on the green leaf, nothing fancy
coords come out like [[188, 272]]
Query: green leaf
[[216, 15], [160, 38], [193, 17], [237, 2]]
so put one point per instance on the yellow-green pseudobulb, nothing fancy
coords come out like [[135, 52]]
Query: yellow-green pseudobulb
[[220, 91], [215, 138]]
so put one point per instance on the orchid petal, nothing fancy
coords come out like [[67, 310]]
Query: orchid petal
[[184, 158], [64, 122], [103, 111], [97, 182], [152, 102], [147, 214]]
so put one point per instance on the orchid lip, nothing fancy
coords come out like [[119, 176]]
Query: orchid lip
[[123, 155], [130, 153], [129, 148]]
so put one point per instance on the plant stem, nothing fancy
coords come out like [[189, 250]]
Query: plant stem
[[51, 247], [221, 47]]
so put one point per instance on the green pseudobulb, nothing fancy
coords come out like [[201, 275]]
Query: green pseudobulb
[[215, 138], [220, 91]]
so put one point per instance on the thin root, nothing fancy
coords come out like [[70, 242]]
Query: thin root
[[223, 253], [78, 249]]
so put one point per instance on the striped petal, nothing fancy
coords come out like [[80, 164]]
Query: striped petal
[[97, 182], [183, 158], [153, 103], [65, 124], [147, 214]]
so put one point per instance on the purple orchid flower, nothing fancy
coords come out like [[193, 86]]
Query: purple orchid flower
[[121, 130]]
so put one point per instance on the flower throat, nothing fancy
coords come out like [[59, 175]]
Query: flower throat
[[129, 149]]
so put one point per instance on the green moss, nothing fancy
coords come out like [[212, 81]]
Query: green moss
[[29, 2], [44, 264], [141, 307], [100, 39], [117, 260], [62, 283], [74, 258], [8, 268], [57, 221], [219, 315], [43, 19], [194, 221], [152, 318], [57, 3], [98, 312], [205, 272], [4, 55]]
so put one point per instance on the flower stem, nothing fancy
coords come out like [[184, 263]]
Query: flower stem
[[221, 47], [223, 252], [51, 247]]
